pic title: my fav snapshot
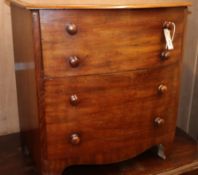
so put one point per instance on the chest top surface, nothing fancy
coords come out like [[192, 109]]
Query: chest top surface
[[98, 4]]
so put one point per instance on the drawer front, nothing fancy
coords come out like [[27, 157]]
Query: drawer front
[[83, 42], [111, 116]]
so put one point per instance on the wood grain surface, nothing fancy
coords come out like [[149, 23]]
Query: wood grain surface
[[107, 40], [114, 112], [27, 69], [107, 108], [182, 161], [97, 4]]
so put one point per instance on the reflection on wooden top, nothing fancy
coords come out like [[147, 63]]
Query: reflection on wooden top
[[99, 4]]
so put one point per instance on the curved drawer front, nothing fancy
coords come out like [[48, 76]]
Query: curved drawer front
[[110, 117], [87, 42]]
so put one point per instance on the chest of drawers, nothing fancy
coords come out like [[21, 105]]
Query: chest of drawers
[[96, 83]]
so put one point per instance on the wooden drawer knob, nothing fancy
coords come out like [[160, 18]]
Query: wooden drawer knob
[[74, 61], [71, 29], [74, 100], [165, 55], [162, 89], [159, 121], [167, 24], [75, 139]]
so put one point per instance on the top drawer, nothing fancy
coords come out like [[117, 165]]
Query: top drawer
[[107, 40]]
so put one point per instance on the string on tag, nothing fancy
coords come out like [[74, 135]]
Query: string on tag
[[167, 26]]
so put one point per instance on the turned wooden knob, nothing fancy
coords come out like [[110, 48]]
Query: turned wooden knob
[[71, 29], [159, 121], [75, 139], [162, 89], [74, 61], [74, 100], [165, 55], [167, 24]]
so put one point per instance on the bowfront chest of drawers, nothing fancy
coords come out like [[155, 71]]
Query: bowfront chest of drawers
[[97, 83]]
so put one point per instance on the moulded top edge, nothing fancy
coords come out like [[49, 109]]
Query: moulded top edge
[[98, 4]]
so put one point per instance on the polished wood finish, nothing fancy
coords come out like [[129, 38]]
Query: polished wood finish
[[110, 110], [27, 68], [92, 118], [98, 91], [107, 40], [183, 161], [97, 4]]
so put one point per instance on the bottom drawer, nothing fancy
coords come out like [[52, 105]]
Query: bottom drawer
[[110, 117]]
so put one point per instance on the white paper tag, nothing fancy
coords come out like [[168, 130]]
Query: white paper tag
[[169, 42]]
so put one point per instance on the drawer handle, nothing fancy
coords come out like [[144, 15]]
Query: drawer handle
[[168, 25], [162, 89], [71, 29], [75, 138], [165, 55], [159, 121], [74, 61], [74, 100]]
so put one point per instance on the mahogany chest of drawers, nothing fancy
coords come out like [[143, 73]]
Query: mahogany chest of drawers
[[97, 83]]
